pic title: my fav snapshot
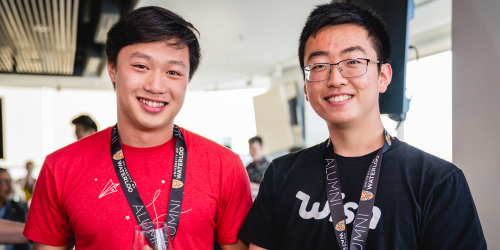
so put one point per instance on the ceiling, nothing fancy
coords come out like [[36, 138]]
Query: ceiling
[[249, 41], [64, 37]]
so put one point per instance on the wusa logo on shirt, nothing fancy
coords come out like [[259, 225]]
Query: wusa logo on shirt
[[349, 210]]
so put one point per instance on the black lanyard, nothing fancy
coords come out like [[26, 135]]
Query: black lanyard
[[130, 189], [364, 212]]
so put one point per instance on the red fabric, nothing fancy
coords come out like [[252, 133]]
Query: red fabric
[[69, 202]]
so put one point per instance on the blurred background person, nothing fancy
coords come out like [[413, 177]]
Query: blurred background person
[[10, 210], [84, 126], [259, 165], [28, 183]]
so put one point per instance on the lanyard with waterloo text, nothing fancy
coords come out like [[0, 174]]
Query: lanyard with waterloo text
[[364, 212], [130, 189]]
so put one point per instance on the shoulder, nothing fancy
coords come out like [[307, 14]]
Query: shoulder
[[87, 147], [297, 161], [207, 147], [417, 162]]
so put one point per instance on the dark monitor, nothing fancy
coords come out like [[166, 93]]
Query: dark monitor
[[397, 15]]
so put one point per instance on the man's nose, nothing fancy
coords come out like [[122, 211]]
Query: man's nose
[[336, 78], [156, 83]]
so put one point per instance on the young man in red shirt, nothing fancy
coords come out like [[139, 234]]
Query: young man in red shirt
[[93, 192]]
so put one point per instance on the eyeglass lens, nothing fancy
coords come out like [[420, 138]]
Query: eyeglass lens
[[348, 68]]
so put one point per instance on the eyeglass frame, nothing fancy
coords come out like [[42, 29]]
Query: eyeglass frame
[[340, 69]]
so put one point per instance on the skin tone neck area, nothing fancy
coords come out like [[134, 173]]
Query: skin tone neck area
[[151, 81], [348, 105]]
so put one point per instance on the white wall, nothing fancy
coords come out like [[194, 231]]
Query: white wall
[[37, 121], [476, 103]]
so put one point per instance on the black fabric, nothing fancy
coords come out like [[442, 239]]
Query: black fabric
[[17, 211], [423, 202], [256, 170]]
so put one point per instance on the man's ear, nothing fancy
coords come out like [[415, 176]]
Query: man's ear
[[385, 77], [305, 92], [111, 70]]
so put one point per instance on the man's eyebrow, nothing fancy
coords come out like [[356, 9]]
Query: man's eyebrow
[[176, 62], [150, 58], [351, 49], [318, 53], [142, 55]]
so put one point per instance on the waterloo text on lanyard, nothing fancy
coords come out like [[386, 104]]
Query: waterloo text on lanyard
[[130, 189], [364, 213]]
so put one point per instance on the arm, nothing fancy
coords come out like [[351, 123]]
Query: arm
[[40, 246], [255, 186], [47, 223], [236, 246], [254, 247], [12, 232], [449, 219], [260, 224], [234, 203]]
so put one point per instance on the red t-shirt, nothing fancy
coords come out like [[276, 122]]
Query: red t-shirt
[[78, 195]]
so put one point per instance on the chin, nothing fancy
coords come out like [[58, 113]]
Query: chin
[[339, 119], [149, 125]]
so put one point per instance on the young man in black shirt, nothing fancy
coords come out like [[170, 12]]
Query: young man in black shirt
[[361, 188]]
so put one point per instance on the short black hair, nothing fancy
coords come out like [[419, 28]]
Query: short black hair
[[3, 170], [153, 24], [85, 121], [346, 13], [255, 139]]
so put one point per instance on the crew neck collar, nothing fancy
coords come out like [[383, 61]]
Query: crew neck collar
[[130, 150], [357, 160], [349, 161], [169, 145]]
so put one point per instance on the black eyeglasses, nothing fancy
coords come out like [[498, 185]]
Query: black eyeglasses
[[348, 68]]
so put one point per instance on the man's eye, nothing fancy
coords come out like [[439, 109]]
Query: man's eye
[[174, 73], [140, 66], [353, 62], [318, 67]]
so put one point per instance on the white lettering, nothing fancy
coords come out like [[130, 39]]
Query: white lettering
[[349, 210], [314, 213]]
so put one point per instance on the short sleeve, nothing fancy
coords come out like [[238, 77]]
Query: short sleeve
[[260, 225], [47, 222], [236, 200], [450, 219]]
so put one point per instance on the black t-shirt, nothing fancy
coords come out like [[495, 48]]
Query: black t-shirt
[[422, 202]]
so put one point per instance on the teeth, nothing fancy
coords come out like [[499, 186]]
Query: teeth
[[340, 98], [152, 104]]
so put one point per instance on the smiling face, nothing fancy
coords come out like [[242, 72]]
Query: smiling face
[[339, 100], [151, 81]]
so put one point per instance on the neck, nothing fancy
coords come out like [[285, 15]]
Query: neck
[[3, 202], [359, 139], [138, 138], [258, 159]]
